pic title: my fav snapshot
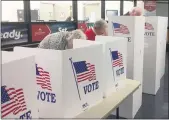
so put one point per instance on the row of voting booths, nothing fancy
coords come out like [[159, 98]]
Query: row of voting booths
[[61, 84], [146, 51], [40, 83]]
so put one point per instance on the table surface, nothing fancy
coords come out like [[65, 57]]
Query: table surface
[[110, 103]]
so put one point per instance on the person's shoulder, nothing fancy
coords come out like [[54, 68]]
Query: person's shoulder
[[50, 37], [57, 36]]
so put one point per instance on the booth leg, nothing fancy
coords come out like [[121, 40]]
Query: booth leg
[[117, 113]]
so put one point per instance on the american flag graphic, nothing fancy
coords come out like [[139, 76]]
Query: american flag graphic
[[148, 26], [43, 78], [12, 101], [117, 59], [119, 28], [84, 71]]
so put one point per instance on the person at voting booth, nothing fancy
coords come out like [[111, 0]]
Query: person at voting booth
[[136, 11], [100, 28], [61, 40]]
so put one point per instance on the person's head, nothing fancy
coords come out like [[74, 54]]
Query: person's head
[[100, 27], [75, 34], [61, 40], [136, 11]]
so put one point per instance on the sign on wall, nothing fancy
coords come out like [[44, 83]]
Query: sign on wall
[[13, 33], [90, 25], [40, 31], [84, 26]]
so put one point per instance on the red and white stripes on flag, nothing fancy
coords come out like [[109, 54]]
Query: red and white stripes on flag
[[119, 61], [148, 26], [91, 70], [119, 28], [43, 79], [15, 104], [123, 29], [84, 71]]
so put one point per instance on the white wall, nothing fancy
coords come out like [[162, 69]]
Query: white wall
[[112, 5], [51, 10], [35, 5], [9, 10], [140, 4], [128, 5], [46, 11], [81, 9], [115, 5], [61, 13]]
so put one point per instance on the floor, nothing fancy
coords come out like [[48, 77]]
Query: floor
[[155, 107]]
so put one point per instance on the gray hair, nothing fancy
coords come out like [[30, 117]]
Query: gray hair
[[138, 10], [60, 40], [99, 24], [77, 34]]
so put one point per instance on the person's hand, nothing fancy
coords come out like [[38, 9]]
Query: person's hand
[[136, 12]]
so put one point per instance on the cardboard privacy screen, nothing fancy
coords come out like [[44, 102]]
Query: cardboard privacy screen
[[114, 63], [154, 53], [18, 101], [68, 81], [133, 29]]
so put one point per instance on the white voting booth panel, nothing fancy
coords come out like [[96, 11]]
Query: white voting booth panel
[[114, 61], [133, 29], [154, 53], [74, 79], [18, 101]]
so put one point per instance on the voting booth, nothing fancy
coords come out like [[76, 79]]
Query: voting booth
[[154, 53], [114, 62], [18, 101], [133, 29], [68, 81]]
